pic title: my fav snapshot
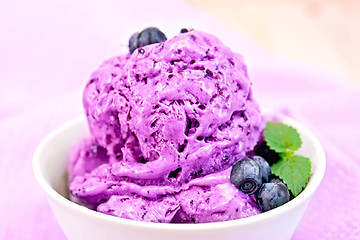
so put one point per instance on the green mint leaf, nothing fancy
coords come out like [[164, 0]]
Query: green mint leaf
[[294, 170], [281, 137]]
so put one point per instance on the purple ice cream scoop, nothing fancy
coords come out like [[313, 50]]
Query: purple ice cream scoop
[[167, 122]]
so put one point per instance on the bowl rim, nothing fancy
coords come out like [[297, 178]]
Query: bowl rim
[[306, 194]]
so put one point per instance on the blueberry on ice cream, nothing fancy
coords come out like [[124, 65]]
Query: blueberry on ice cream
[[146, 37], [246, 175]]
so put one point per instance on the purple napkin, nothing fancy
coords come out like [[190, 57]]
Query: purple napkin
[[48, 50]]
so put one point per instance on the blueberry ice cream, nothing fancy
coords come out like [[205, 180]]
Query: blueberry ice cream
[[167, 122]]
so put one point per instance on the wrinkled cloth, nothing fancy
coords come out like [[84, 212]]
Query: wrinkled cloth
[[48, 51]]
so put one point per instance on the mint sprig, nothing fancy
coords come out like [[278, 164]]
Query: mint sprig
[[293, 169], [281, 138]]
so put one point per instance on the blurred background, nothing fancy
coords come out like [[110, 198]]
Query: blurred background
[[324, 33]]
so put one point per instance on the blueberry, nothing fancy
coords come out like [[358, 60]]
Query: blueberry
[[246, 175], [264, 167], [264, 151], [145, 37], [275, 180], [272, 195]]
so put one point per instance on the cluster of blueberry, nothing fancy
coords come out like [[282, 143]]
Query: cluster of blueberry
[[253, 176]]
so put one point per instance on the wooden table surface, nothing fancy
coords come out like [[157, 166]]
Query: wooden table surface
[[323, 33]]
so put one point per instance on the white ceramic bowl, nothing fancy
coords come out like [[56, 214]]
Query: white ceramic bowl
[[77, 222]]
